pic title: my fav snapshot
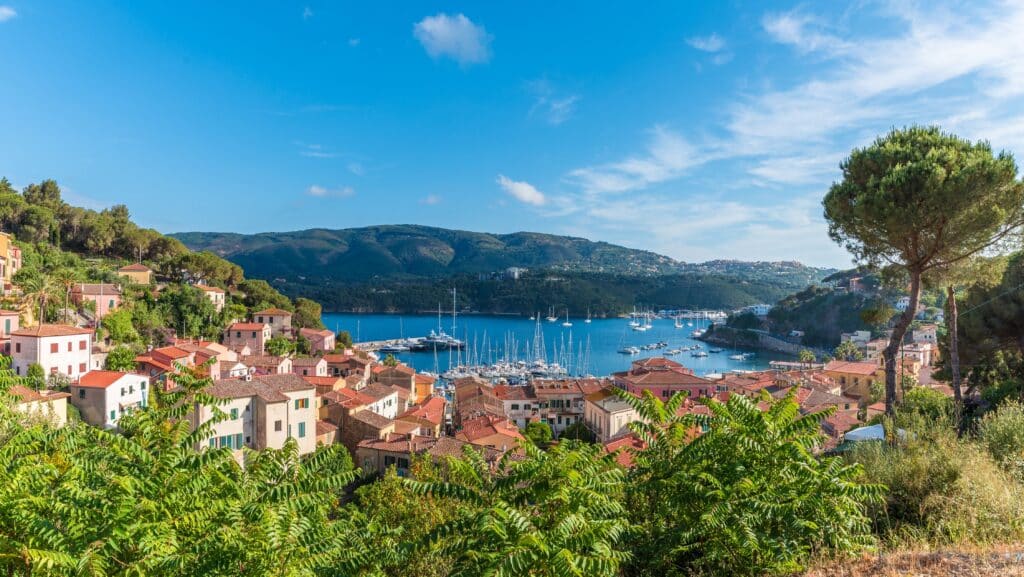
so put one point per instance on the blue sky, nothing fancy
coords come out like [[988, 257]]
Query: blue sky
[[698, 130]]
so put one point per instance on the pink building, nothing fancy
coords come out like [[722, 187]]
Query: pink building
[[59, 349], [216, 295], [309, 367], [320, 341], [663, 377], [106, 297], [252, 335]]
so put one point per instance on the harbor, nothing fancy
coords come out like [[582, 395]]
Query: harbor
[[522, 348]]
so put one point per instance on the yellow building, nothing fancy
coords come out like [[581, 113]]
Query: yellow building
[[10, 259], [855, 377], [137, 273]]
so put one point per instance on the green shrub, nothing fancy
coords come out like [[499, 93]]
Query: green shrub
[[942, 490], [1002, 433]]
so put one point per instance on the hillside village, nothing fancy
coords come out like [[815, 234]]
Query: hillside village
[[385, 413]]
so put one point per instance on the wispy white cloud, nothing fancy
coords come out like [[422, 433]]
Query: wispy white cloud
[[431, 199], [315, 151], [455, 37], [957, 66], [522, 191], [668, 156], [712, 43], [556, 107], [324, 192], [7, 13]]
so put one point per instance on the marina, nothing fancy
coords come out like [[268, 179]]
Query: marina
[[523, 348]]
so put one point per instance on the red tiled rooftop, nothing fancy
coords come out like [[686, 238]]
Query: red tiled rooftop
[[273, 311], [246, 327], [100, 379], [51, 331], [135, 267], [855, 367]]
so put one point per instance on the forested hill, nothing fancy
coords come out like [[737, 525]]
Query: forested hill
[[410, 251], [406, 268], [407, 252]]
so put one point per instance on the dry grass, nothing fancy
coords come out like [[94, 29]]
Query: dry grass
[[1003, 561]]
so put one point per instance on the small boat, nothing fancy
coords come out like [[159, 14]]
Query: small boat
[[714, 350], [551, 316], [698, 354], [630, 351], [697, 333], [588, 317], [739, 357], [673, 352], [566, 323]]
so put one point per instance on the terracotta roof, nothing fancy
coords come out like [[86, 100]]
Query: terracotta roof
[[514, 393], [50, 331], [209, 289], [151, 361], [318, 332], [433, 446], [336, 358], [325, 427], [270, 388], [854, 367], [7, 313], [101, 379], [246, 327], [407, 426], [321, 381], [431, 410], [27, 395], [273, 311], [262, 360], [663, 377], [561, 387], [624, 447], [135, 267], [370, 418], [173, 352], [657, 363], [486, 426], [403, 369], [377, 391], [422, 379], [97, 289], [348, 397]]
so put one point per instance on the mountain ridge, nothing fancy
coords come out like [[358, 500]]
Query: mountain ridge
[[416, 251]]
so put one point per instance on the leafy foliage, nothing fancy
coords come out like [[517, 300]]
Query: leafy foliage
[[746, 496]]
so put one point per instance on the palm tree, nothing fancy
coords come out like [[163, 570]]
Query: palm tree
[[38, 289], [66, 279]]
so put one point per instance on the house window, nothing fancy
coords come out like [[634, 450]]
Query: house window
[[515, 407], [81, 367], [7, 326], [301, 403], [53, 347], [403, 463], [238, 334], [17, 347], [234, 414], [69, 370], [142, 386], [248, 440], [259, 319], [82, 345], [238, 441], [113, 414], [122, 391], [69, 346], [254, 334], [277, 426], [388, 460], [213, 442], [81, 393], [302, 430], [111, 305]]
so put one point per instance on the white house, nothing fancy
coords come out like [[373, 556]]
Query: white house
[[902, 303], [925, 334], [607, 416], [217, 296], [385, 400], [262, 412], [760, 310], [104, 396], [59, 349]]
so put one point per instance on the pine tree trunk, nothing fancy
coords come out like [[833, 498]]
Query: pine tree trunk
[[954, 345], [898, 332]]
